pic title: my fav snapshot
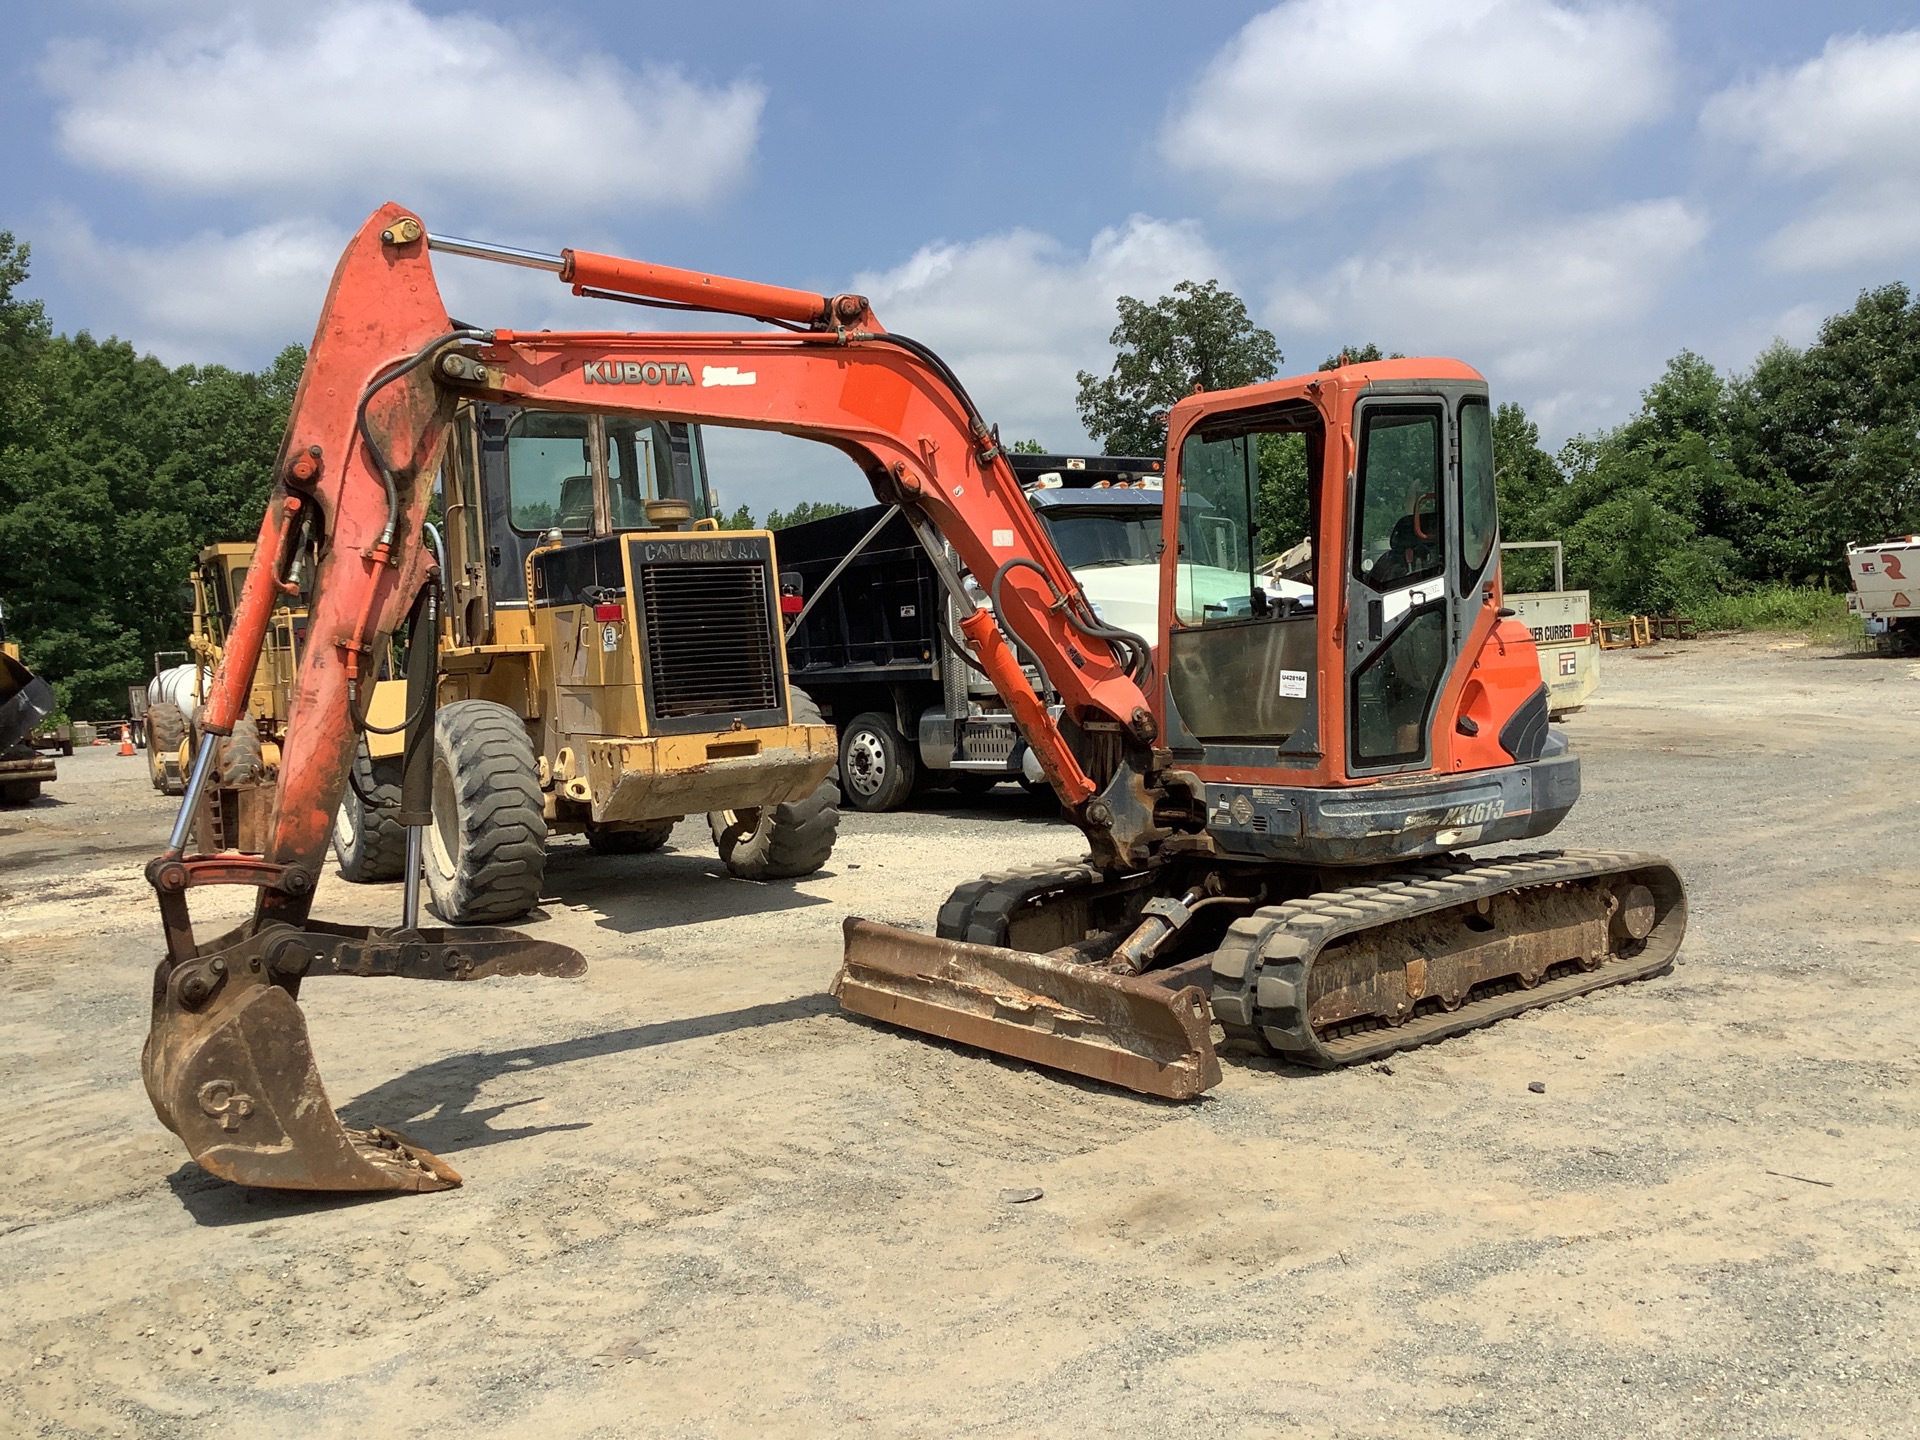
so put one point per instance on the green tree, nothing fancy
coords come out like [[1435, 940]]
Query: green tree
[[23, 335], [741, 518], [1828, 434], [114, 471], [804, 511], [1357, 355], [1028, 447], [1199, 337]]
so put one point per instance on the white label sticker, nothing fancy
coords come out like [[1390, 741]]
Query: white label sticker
[[1293, 684], [1003, 539], [711, 375], [609, 637]]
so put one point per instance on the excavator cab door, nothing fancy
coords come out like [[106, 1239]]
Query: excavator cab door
[[1400, 630], [1422, 538]]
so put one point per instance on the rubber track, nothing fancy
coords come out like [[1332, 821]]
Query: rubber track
[[980, 910], [503, 852], [1260, 969]]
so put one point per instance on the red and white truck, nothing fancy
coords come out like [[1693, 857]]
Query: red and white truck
[[1886, 591]]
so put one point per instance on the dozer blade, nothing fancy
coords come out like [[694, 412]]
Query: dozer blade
[[1121, 1029], [230, 1069]]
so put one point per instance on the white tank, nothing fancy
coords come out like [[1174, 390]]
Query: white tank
[[175, 685]]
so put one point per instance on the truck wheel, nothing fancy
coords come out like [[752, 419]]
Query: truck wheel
[[241, 762], [486, 851], [877, 766], [607, 841], [166, 728], [369, 843]]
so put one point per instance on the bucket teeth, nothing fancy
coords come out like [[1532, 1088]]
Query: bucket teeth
[[1120, 1029]]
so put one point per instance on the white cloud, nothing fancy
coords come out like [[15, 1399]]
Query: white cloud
[[1849, 116], [210, 298], [1315, 91], [374, 98], [1545, 309], [1017, 314], [236, 299]]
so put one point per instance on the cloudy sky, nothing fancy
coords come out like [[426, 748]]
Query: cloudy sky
[[1563, 194]]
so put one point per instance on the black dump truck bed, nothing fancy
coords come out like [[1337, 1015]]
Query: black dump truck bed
[[872, 646]]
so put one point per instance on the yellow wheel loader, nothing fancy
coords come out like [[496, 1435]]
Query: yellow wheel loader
[[610, 663], [25, 701]]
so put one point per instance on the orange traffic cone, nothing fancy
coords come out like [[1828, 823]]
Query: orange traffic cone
[[126, 740]]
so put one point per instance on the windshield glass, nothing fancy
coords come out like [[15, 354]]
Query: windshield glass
[[652, 460], [549, 472], [1089, 538]]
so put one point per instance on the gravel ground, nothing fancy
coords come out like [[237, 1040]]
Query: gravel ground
[[701, 1202]]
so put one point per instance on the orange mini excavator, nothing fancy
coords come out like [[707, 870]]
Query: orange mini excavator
[[1275, 788]]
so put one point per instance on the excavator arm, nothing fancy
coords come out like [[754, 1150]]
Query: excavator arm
[[227, 1062], [894, 408]]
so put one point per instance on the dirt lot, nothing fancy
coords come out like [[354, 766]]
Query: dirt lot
[[699, 1201]]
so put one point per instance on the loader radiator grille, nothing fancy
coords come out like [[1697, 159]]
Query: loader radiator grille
[[710, 638]]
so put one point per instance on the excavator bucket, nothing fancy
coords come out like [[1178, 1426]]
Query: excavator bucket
[[25, 700], [1121, 1029], [230, 1069]]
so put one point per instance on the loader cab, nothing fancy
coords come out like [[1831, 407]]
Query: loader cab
[[1373, 484], [517, 480]]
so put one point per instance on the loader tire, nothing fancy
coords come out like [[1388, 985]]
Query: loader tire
[[779, 842], [785, 841], [878, 765], [368, 841], [604, 840], [486, 851], [241, 760], [166, 728]]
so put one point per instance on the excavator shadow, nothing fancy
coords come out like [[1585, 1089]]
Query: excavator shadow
[[635, 893], [437, 1105]]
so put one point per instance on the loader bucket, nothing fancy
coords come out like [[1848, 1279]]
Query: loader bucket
[[25, 700], [230, 1070], [1120, 1029]]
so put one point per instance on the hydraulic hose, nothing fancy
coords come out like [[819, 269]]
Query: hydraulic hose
[[374, 387], [1139, 666]]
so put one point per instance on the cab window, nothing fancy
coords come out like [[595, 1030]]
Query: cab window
[[1399, 539], [651, 460], [549, 473], [1479, 506]]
